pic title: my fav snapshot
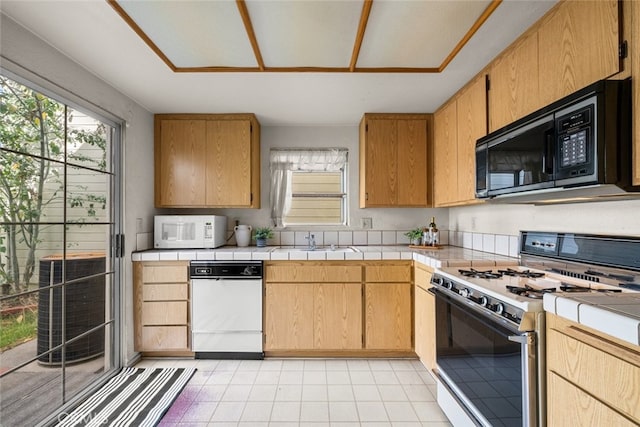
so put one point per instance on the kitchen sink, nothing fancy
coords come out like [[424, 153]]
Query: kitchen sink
[[318, 249]]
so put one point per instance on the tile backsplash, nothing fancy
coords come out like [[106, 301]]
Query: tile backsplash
[[500, 244]]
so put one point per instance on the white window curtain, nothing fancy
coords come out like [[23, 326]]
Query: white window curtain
[[285, 161]]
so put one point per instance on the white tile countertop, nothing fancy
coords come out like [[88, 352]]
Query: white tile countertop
[[447, 256], [617, 315]]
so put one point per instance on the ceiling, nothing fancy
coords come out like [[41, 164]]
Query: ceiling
[[333, 36], [291, 62]]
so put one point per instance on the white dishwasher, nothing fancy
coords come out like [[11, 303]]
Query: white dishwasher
[[226, 309]]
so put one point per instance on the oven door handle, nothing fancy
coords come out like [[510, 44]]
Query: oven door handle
[[529, 376]]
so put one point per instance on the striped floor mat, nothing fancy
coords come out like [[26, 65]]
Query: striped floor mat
[[134, 397]]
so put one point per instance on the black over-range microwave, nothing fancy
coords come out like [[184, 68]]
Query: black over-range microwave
[[576, 148]]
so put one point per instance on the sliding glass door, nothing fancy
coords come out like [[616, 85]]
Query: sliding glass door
[[59, 286]]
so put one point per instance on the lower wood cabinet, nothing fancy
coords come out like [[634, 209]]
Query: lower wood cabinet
[[329, 308], [388, 316], [161, 312], [288, 320], [337, 316], [592, 378], [313, 316], [425, 317]]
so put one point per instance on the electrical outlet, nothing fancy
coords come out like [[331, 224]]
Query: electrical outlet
[[367, 223], [139, 225]]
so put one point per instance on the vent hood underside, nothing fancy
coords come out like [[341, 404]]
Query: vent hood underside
[[560, 195]]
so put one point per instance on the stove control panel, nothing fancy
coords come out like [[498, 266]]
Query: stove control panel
[[460, 291]]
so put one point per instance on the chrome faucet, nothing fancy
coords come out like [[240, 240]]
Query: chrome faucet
[[311, 241]]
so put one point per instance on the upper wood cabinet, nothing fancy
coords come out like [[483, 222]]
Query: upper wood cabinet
[[458, 125], [574, 45], [578, 45], [207, 160], [394, 160], [514, 83]]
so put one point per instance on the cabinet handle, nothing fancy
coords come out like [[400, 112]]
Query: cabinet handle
[[366, 196]]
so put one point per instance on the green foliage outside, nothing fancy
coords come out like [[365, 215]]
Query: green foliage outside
[[18, 328], [36, 137]]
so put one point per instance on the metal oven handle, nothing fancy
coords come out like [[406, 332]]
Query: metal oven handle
[[529, 374]]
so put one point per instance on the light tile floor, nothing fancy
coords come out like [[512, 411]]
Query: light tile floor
[[304, 392]]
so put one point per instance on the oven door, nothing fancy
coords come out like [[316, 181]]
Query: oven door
[[490, 369]]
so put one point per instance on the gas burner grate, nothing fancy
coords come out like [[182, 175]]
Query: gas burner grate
[[524, 273], [477, 274], [530, 292]]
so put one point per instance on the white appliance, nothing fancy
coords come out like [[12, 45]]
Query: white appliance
[[226, 309], [189, 231]]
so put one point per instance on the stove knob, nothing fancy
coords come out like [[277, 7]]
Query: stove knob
[[466, 293], [449, 284], [484, 301], [500, 308], [438, 281]]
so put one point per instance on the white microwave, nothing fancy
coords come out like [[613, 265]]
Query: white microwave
[[189, 231]]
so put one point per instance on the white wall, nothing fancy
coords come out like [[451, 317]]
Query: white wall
[[616, 218], [326, 136], [25, 54]]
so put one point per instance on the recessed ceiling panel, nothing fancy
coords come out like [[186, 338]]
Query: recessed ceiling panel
[[305, 33], [195, 33], [419, 34]]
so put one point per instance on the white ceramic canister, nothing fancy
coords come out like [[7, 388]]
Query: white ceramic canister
[[243, 235]]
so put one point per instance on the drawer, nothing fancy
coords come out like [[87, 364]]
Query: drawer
[[569, 406], [165, 292], [164, 338], [164, 313], [388, 273], [603, 375], [313, 273], [165, 273]]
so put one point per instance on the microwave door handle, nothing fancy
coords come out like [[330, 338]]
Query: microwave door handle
[[547, 159]]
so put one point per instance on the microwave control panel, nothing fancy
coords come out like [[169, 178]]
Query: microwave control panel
[[574, 133], [573, 148]]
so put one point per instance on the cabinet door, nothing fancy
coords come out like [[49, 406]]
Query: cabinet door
[[514, 83], [412, 161], [288, 316], [228, 159], [471, 125], [180, 163], [337, 316], [425, 320], [388, 317], [380, 153], [445, 155], [578, 46]]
